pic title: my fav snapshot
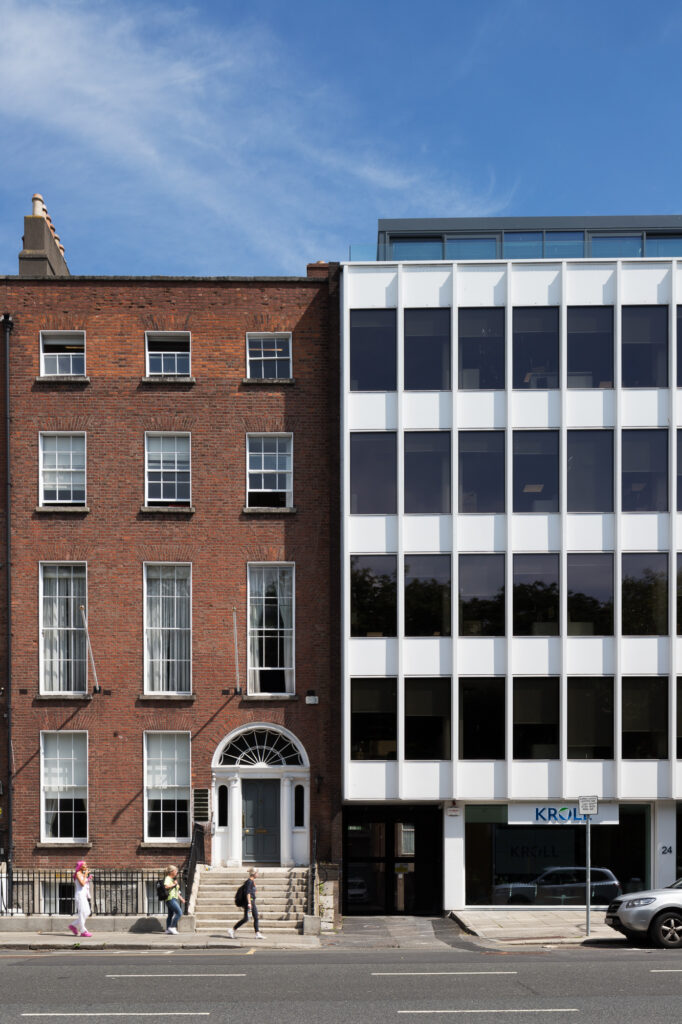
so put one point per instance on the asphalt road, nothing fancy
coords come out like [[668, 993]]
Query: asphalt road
[[463, 983]]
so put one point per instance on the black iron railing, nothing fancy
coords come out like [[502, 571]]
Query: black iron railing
[[195, 856], [312, 873], [51, 891]]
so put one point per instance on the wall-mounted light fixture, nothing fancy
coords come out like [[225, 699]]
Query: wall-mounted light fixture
[[311, 697]]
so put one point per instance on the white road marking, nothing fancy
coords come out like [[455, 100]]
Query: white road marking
[[175, 975], [430, 974], [562, 1010], [666, 970], [165, 1013]]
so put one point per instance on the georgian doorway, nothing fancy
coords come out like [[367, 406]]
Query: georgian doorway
[[261, 798]]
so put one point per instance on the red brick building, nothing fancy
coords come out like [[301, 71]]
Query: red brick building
[[174, 487]]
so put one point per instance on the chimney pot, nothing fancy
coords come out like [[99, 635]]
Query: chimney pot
[[38, 205]]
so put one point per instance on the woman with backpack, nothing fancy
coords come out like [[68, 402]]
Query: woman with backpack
[[249, 904], [173, 899]]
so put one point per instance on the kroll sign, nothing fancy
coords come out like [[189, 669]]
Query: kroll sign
[[560, 814]]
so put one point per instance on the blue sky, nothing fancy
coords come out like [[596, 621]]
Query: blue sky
[[224, 138]]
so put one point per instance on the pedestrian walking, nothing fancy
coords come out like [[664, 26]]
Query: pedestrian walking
[[82, 881], [173, 899], [249, 905]]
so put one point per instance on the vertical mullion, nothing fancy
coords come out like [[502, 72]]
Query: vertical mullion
[[672, 532], [400, 554], [454, 547], [617, 537], [509, 533], [563, 535]]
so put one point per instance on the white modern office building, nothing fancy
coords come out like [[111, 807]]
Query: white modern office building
[[512, 416]]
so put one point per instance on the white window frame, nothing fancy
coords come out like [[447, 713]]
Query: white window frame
[[42, 501], [66, 336], [42, 627], [162, 336], [145, 569], [271, 335], [289, 491], [290, 671], [64, 840], [165, 501], [167, 840]]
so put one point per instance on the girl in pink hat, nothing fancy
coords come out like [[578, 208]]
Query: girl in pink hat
[[82, 880]]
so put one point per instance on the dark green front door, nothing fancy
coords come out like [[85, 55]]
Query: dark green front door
[[260, 821]]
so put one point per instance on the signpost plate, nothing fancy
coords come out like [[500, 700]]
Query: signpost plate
[[588, 804]]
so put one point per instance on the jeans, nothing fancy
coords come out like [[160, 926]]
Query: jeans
[[254, 911], [174, 913]]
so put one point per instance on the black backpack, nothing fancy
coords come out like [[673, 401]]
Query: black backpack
[[240, 896], [161, 891]]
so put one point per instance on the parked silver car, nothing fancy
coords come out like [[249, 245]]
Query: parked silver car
[[655, 914], [560, 887]]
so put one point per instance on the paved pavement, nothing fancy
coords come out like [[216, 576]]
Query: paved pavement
[[531, 926]]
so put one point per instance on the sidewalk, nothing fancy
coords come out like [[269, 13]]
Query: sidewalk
[[535, 927], [156, 941]]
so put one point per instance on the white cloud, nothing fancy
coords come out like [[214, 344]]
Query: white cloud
[[162, 111]]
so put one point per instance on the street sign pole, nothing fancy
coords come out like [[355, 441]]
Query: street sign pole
[[588, 805]]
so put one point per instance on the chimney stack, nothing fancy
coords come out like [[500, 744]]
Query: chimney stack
[[43, 253]]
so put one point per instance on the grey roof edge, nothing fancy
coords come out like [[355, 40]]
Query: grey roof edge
[[430, 224]]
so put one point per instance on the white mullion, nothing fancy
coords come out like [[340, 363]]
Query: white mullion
[[509, 539], [400, 510], [563, 538], [617, 539], [454, 547], [672, 533], [344, 553]]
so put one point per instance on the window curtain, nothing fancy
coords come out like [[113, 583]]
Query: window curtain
[[168, 639], [271, 632], [64, 646]]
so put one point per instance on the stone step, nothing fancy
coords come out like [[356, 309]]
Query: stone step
[[229, 919], [223, 925], [295, 906]]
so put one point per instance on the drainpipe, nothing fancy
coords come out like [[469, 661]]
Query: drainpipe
[[8, 324]]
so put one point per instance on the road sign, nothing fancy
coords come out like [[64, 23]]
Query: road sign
[[588, 804]]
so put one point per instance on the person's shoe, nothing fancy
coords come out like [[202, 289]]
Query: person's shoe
[[86, 935], [259, 935], [172, 931], [230, 933], [72, 928]]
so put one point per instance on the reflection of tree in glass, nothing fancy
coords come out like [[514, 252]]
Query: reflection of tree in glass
[[586, 608], [645, 604], [482, 616], [372, 603], [536, 609], [427, 608]]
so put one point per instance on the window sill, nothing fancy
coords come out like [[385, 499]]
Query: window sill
[[175, 380], [178, 510], [268, 381], [269, 696], [182, 844], [63, 696], [73, 510], [267, 510], [64, 378], [81, 844], [184, 697]]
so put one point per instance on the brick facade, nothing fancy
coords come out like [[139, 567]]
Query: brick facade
[[115, 538]]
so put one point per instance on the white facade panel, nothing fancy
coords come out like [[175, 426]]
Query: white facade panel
[[427, 410], [542, 779], [427, 533], [644, 407], [482, 656], [481, 533], [427, 656], [481, 410], [453, 859], [595, 407], [587, 531], [481, 285], [373, 780], [645, 531], [372, 534], [432, 777], [481, 780], [645, 655], [372, 657], [536, 284], [590, 655], [425, 286], [536, 410], [536, 532], [590, 284], [644, 284], [369, 410], [645, 780], [535, 655], [372, 287], [594, 778]]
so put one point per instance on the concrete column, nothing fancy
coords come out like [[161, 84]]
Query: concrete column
[[453, 859], [234, 817], [286, 812], [664, 824]]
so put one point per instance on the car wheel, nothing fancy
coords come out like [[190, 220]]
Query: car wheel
[[666, 930]]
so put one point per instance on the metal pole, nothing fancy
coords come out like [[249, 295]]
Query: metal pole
[[8, 324], [238, 688], [96, 688], [588, 880]]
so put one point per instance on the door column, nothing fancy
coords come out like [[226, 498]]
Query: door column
[[234, 817], [286, 844]]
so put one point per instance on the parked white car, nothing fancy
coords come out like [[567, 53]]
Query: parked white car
[[655, 914]]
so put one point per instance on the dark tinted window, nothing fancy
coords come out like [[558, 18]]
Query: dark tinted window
[[373, 719], [616, 246], [645, 346], [522, 245], [590, 346], [299, 807], [427, 350], [536, 718], [427, 471], [679, 346], [645, 718], [372, 349], [645, 470], [536, 595], [590, 717], [645, 594], [427, 719], [373, 474], [481, 349], [481, 595], [536, 347], [679, 722], [664, 245], [471, 248], [481, 471], [679, 594], [417, 249], [373, 595], [536, 471], [481, 718], [590, 594], [427, 595], [589, 475]]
